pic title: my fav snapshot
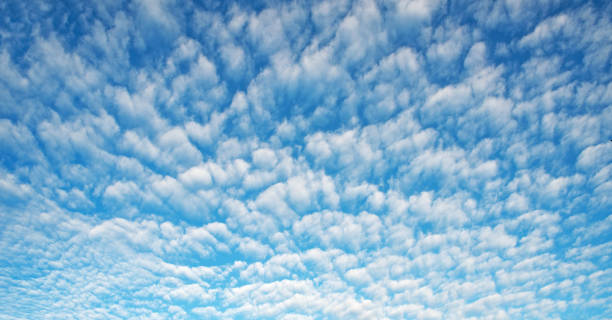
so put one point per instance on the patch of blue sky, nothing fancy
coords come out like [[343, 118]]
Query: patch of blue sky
[[300, 160]]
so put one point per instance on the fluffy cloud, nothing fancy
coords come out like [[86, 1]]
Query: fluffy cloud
[[334, 159]]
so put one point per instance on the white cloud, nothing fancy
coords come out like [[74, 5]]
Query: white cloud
[[366, 159], [594, 156], [134, 110], [448, 100], [496, 238], [190, 293], [272, 201], [235, 59], [336, 229], [440, 211], [13, 190], [252, 248], [264, 158], [196, 177], [418, 9], [359, 276], [9, 73], [207, 134], [178, 150], [266, 32], [476, 57], [140, 146], [451, 42], [16, 139], [545, 30]]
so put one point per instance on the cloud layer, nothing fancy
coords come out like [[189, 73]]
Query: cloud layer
[[305, 160]]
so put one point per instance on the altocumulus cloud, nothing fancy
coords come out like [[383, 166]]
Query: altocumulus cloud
[[405, 159]]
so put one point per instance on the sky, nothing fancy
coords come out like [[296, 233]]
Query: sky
[[409, 159]]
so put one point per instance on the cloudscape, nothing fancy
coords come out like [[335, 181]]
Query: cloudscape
[[333, 159]]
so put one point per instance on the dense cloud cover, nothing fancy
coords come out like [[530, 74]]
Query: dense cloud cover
[[409, 159]]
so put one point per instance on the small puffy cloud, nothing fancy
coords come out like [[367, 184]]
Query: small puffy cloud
[[15, 140], [264, 158], [336, 229], [358, 276], [476, 57], [594, 156], [439, 211], [545, 30], [446, 101], [121, 190], [13, 190], [178, 149], [196, 177], [140, 146], [190, 293], [495, 238], [252, 248]]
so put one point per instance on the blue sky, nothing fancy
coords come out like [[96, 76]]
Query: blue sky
[[406, 159]]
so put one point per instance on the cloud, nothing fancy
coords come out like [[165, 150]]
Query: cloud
[[339, 229], [15, 140], [594, 155], [196, 177], [337, 159]]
